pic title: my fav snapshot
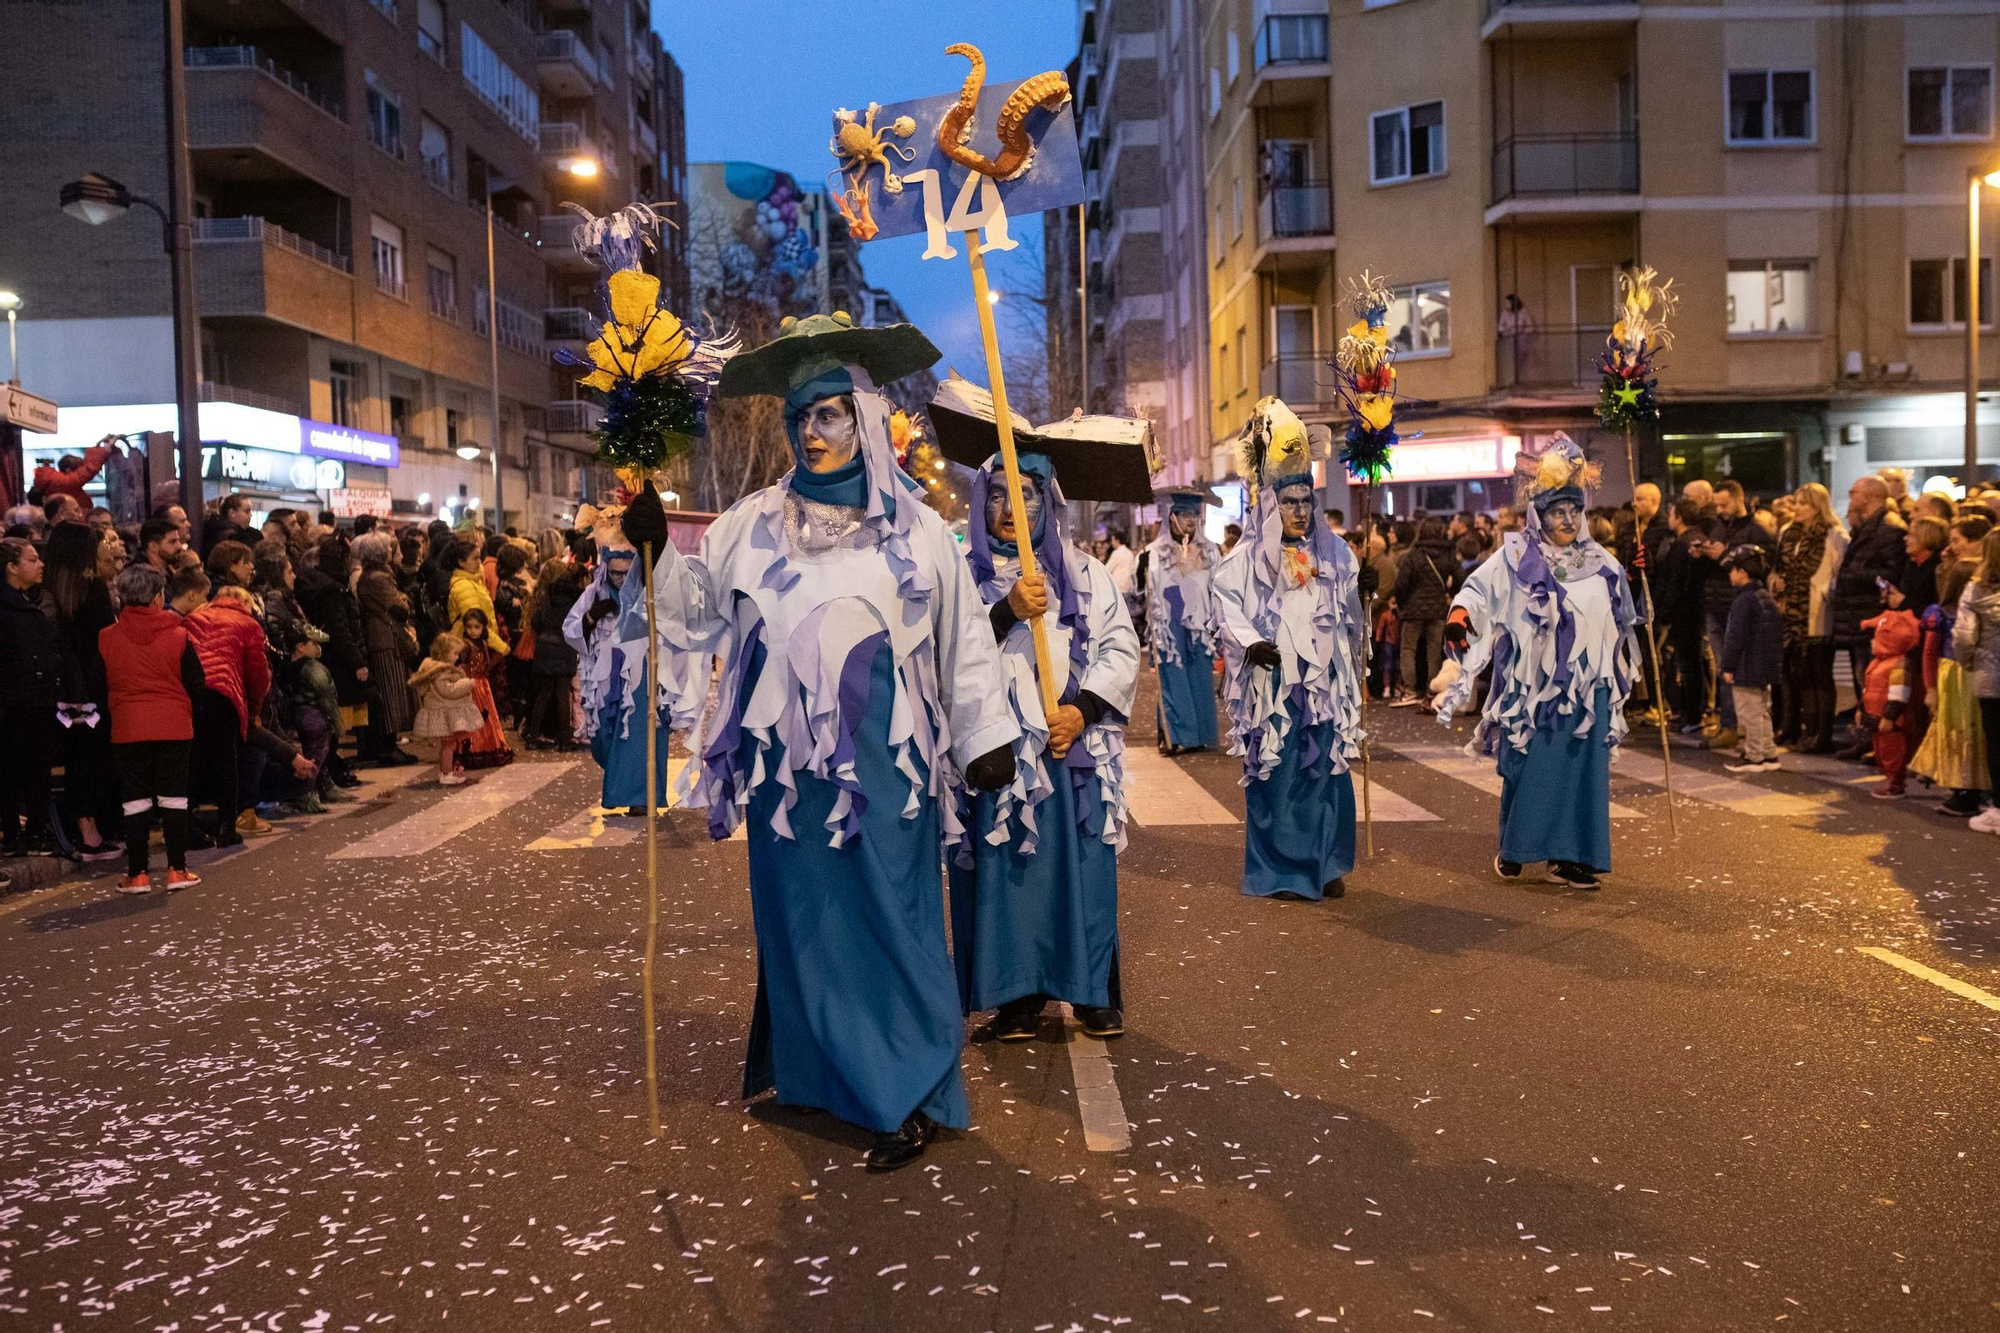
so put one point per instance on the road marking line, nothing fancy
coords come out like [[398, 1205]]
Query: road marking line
[[586, 829], [430, 828], [1389, 808], [1105, 1128], [1828, 769], [1742, 797], [1455, 763], [1963, 989], [1159, 793]]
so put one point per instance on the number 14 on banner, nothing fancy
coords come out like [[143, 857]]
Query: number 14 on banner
[[990, 217]]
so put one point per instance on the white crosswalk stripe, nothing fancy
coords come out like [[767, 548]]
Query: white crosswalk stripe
[[436, 824], [1701, 784], [592, 827], [1453, 762], [1160, 793]]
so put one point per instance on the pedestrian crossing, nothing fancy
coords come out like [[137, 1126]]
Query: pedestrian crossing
[[1454, 763], [437, 824], [595, 827], [1702, 784]]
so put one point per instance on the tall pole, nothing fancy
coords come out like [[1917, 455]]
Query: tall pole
[[180, 268], [1082, 309], [1971, 314], [493, 352], [1652, 638], [652, 842]]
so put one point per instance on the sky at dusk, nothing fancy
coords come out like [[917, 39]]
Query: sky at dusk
[[763, 78]]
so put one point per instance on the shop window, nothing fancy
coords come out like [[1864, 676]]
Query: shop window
[[1770, 296]]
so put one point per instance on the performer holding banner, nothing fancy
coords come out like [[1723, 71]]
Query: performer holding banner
[[1290, 597], [1180, 619], [1551, 613], [1034, 879], [858, 677]]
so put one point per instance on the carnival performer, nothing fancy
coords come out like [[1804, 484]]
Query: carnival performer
[[1034, 879], [858, 676], [1550, 612], [1180, 620], [1289, 596], [607, 628]]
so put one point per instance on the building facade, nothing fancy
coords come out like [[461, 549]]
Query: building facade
[[343, 155], [1799, 171]]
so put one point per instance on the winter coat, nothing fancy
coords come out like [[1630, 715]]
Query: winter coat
[[1874, 550], [92, 618], [1645, 551], [332, 607], [468, 593], [215, 528], [1425, 582], [1808, 556], [1677, 583], [445, 703], [1889, 681], [1919, 585], [1718, 594], [1753, 649], [553, 654], [35, 669], [385, 611], [51, 481], [151, 674], [230, 643], [1975, 639]]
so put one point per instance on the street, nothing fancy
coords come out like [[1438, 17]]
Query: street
[[386, 1067]]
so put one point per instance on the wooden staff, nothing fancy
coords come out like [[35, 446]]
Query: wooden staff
[[1652, 639], [1368, 637], [1002, 418], [652, 843]]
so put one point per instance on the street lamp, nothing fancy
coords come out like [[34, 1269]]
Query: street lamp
[[1974, 178], [11, 303], [583, 168]]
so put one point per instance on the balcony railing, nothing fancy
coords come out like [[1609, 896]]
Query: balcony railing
[[563, 44], [1299, 380], [1564, 357], [562, 138], [1541, 166], [211, 392], [1291, 39], [1298, 210], [248, 57], [572, 416], [570, 324], [1495, 6], [257, 229], [392, 284], [430, 45]]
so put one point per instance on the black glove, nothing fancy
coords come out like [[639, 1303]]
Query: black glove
[[599, 609], [645, 521], [1263, 653], [992, 770], [1457, 636]]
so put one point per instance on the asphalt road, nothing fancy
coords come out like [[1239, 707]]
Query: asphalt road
[[401, 1085]]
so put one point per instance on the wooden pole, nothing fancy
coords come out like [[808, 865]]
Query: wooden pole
[[652, 842], [1368, 637], [1002, 418], [1652, 640]]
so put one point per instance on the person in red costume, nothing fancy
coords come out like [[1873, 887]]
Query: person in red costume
[[71, 473]]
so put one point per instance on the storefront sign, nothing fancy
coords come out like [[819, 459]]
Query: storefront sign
[[325, 440], [266, 468], [1440, 460], [23, 409], [354, 501], [76, 428]]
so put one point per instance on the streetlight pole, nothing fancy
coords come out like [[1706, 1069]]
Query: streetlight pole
[[1973, 181], [493, 352], [180, 257]]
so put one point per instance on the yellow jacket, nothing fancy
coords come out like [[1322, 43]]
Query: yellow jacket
[[468, 593]]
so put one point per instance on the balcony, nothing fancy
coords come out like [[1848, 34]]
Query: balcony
[[1561, 358], [565, 65], [557, 238], [571, 416], [570, 324], [1565, 175], [565, 6], [247, 266], [1303, 381], [249, 118], [1553, 19], [1291, 211], [211, 392], [1288, 60]]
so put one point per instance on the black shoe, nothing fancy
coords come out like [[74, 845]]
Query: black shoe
[[229, 837], [1572, 874], [1100, 1021], [538, 743], [1336, 887], [345, 777], [1017, 1020], [1962, 805], [40, 844], [1506, 869], [894, 1151], [1286, 895]]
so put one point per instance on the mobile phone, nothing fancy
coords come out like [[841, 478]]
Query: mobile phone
[[1881, 583]]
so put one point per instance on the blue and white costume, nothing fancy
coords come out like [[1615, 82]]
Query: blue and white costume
[[1180, 626], [1297, 725], [1034, 879], [857, 672], [1555, 625], [611, 677]]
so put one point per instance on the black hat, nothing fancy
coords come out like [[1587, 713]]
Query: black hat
[[1095, 457], [1748, 558]]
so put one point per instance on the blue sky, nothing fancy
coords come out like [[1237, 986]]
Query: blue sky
[[763, 78]]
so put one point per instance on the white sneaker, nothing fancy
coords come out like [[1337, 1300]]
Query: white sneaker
[[1988, 822], [451, 780], [1755, 766]]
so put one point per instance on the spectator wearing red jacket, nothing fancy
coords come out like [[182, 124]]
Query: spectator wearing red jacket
[[152, 674], [230, 642], [71, 473]]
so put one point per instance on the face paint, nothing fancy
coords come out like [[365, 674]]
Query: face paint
[[999, 516], [828, 434], [1563, 521], [1295, 508], [1183, 525]]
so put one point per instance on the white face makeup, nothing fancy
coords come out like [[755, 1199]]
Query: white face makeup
[[1562, 522], [1182, 525], [1295, 509], [999, 516], [829, 434]]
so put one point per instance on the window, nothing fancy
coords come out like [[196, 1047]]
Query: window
[[1236, 206], [1408, 143], [498, 85], [1242, 360], [402, 393], [1770, 296], [430, 29], [347, 386], [603, 63], [385, 247], [385, 117], [477, 173], [441, 284], [1939, 302], [1219, 235], [434, 147], [1770, 106], [386, 8], [1294, 331], [1214, 92], [1420, 318], [1951, 103], [479, 311], [454, 426], [1235, 56]]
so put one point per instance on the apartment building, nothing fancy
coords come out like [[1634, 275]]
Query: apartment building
[[344, 153], [1186, 438], [1799, 170]]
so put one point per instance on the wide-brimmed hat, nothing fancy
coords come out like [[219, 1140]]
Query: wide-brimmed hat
[[1095, 457], [1201, 492], [806, 348]]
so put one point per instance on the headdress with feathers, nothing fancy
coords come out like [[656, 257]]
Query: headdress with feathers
[[1559, 472], [1274, 447]]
